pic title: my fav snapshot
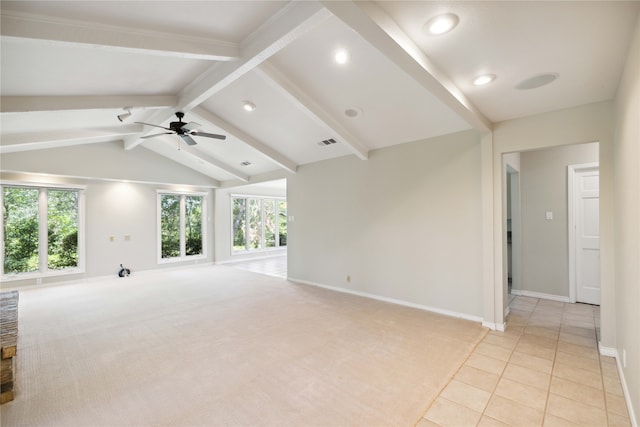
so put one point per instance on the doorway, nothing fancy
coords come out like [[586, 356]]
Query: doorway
[[513, 229], [584, 232], [535, 194]]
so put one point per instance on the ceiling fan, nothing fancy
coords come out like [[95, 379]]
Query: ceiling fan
[[183, 130]]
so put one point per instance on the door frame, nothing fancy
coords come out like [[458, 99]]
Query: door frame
[[572, 171]]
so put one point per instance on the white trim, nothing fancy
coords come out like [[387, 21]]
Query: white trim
[[607, 351], [181, 192], [541, 295], [571, 222], [613, 352], [392, 301], [251, 196], [42, 184], [494, 326]]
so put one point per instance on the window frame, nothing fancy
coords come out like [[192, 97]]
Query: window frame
[[43, 223], [204, 215], [276, 213]]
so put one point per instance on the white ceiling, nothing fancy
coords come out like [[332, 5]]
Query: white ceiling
[[68, 68]]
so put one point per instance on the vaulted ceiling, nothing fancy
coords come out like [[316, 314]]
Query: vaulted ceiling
[[69, 68]]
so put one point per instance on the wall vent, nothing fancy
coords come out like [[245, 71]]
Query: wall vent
[[326, 142]]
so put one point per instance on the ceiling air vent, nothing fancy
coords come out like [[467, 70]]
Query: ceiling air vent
[[246, 163], [326, 142]]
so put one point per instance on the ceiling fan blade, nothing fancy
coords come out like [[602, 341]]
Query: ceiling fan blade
[[188, 139], [156, 134], [190, 126], [155, 126], [209, 135]]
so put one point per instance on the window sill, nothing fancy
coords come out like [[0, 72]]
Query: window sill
[[162, 261], [37, 275]]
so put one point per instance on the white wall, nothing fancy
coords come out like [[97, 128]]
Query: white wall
[[404, 224], [543, 173], [223, 222], [583, 124], [117, 209], [626, 158]]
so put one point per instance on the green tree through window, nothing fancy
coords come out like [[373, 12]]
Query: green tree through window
[[239, 219], [193, 226], [62, 229], [170, 226], [27, 213], [258, 223], [181, 225], [20, 221]]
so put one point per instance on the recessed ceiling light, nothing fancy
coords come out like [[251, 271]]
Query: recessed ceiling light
[[441, 24], [248, 106], [484, 79], [341, 56], [537, 81]]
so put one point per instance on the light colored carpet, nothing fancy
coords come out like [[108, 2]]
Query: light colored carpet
[[218, 346]]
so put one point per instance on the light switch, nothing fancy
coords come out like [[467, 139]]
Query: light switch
[[548, 215]]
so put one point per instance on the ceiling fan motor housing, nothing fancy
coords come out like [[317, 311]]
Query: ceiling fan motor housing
[[177, 126]]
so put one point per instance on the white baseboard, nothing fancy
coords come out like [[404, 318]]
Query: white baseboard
[[494, 326], [613, 352], [391, 300], [607, 351], [540, 295]]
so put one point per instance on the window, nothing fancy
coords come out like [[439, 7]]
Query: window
[[41, 230], [182, 227], [258, 223]]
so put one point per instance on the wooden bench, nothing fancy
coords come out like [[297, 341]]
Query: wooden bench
[[8, 342]]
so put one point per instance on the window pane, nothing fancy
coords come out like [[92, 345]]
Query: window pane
[[62, 226], [193, 225], [170, 226], [20, 222], [255, 224], [239, 215], [269, 223], [282, 222]]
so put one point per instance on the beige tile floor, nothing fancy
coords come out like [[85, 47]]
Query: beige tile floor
[[544, 370]]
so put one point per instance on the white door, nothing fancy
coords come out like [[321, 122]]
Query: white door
[[587, 234]]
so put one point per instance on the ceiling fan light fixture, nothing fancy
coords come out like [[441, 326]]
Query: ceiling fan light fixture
[[122, 117], [441, 24], [248, 106], [484, 79]]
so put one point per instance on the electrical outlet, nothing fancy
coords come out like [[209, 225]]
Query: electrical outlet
[[112, 238], [127, 237], [348, 279]]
